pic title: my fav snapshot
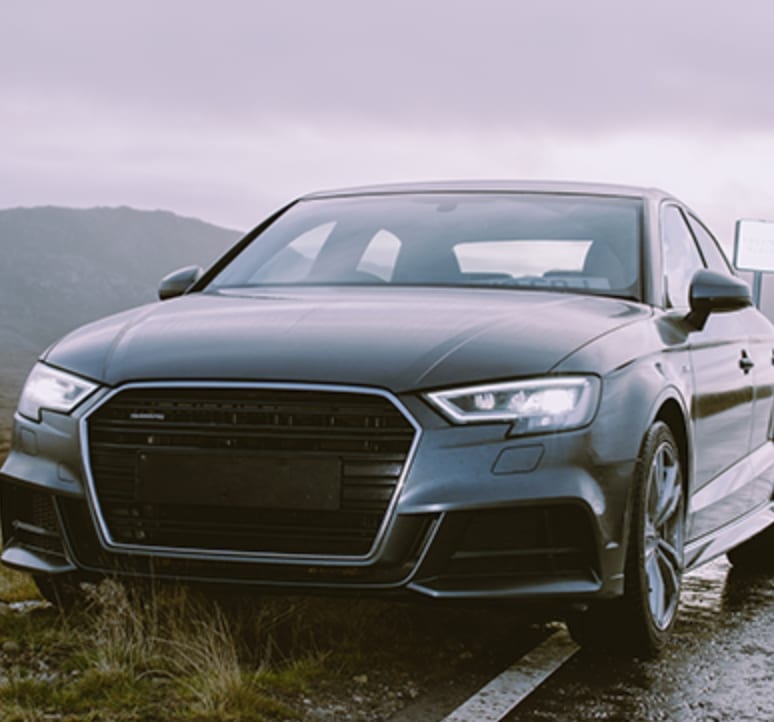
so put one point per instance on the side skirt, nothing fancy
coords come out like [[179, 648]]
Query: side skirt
[[708, 547]]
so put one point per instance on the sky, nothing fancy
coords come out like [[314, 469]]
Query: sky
[[226, 110]]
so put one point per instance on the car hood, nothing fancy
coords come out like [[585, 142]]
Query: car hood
[[394, 338]]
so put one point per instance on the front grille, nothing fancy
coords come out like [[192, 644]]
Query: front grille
[[179, 468]]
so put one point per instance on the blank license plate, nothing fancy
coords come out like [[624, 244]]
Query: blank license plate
[[266, 481]]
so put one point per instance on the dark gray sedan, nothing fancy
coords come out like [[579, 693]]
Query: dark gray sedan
[[533, 393]]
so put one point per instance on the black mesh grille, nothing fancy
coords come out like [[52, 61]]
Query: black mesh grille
[[411, 535], [174, 467], [544, 542], [30, 519], [42, 512]]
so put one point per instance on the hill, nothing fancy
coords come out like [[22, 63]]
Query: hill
[[61, 267]]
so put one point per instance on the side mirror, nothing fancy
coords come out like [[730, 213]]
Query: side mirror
[[178, 282], [713, 292]]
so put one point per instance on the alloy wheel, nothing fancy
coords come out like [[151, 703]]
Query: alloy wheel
[[664, 531]]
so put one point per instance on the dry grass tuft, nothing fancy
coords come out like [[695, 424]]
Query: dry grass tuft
[[124, 632], [207, 664], [190, 645], [148, 652]]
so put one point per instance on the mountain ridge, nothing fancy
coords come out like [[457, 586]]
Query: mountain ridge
[[122, 207], [61, 267]]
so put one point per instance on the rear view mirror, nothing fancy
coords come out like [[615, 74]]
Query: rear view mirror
[[713, 292], [178, 282]]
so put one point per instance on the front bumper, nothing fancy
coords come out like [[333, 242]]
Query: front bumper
[[478, 515]]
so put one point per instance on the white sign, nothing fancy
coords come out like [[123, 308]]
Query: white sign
[[754, 246]]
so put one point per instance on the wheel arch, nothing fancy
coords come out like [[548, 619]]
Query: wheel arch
[[672, 414], [669, 410]]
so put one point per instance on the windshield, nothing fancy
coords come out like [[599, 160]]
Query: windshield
[[578, 243]]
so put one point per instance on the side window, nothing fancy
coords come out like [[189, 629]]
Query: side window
[[380, 255], [713, 255], [681, 257]]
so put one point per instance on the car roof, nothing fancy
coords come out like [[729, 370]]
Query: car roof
[[496, 186]]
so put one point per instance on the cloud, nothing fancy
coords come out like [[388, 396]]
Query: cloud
[[225, 110], [237, 177], [567, 66]]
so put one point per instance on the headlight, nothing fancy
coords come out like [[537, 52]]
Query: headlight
[[551, 404], [49, 388]]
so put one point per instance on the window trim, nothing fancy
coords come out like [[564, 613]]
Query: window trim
[[692, 217]]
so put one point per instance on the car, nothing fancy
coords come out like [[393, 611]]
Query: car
[[554, 394]]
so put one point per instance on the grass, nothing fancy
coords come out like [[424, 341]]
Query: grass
[[137, 653], [145, 654]]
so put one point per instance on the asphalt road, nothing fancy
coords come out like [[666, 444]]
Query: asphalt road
[[719, 666]]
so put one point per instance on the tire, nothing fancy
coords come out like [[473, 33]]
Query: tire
[[640, 621], [756, 554]]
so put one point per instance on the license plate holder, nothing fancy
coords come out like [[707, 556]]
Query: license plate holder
[[253, 480]]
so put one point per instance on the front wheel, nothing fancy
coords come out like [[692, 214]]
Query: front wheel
[[640, 621]]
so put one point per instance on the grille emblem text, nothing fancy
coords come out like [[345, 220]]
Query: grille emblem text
[[147, 416]]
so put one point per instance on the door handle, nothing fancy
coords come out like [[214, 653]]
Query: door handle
[[746, 363]]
